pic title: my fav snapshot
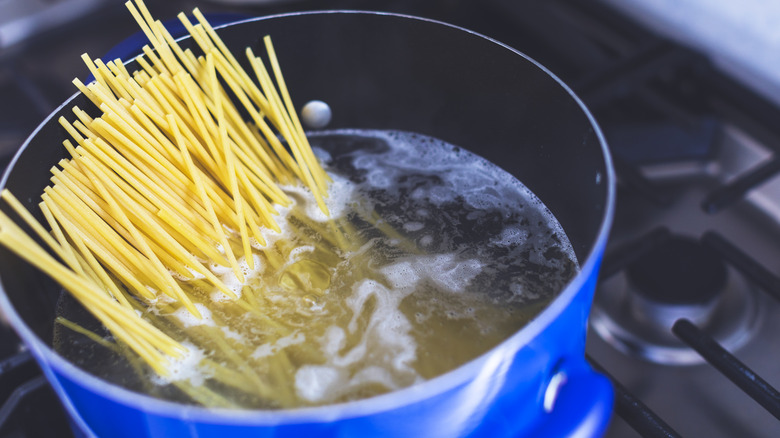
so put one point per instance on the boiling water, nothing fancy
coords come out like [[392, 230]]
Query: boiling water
[[430, 257]]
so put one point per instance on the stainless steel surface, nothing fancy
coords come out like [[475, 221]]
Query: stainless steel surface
[[691, 396], [23, 19], [643, 330], [741, 37]]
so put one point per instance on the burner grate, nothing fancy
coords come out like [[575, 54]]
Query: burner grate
[[641, 418], [736, 371], [29, 406], [634, 412]]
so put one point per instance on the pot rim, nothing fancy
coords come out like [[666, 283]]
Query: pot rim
[[50, 360]]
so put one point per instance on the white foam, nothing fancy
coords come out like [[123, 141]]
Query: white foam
[[217, 296], [446, 270], [270, 348], [511, 236], [374, 374], [453, 274], [270, 236], [232, 334], [315, 383], [333, 340], [404, 274], [233, 284], [184, 368], [257, 265], [309, 205], [383, 353], [340, 191], [188, 320], [521, 292], [413, 226], [219, 269], [388, 329], [299, 250], [194, 275], [382, 180], [158, 297], [231, 281]]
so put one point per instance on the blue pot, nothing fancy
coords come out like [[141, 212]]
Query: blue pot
[[384, 71]]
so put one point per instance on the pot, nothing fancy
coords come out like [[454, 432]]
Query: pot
[[385, 71]]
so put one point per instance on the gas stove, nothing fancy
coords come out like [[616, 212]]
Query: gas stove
[[687, 305]]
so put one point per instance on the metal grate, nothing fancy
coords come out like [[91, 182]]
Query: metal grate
[[634, 412], [689, 101], [630, 408], [731, 367], [26, 398]]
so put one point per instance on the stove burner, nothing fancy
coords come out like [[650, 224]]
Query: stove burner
[[679, 278]]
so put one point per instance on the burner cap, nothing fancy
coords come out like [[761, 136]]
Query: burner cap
[[635, 310], [679, 272]]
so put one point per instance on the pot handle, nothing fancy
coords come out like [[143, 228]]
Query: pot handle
[[577, 403]]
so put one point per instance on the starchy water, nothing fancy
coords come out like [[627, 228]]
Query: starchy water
[[430, 257]]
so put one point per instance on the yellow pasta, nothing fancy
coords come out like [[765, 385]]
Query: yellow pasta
[[165, 189]]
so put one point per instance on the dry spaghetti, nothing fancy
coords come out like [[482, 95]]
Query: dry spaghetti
[[165, 181]]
